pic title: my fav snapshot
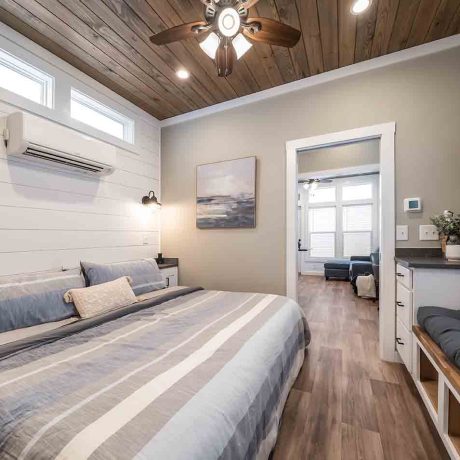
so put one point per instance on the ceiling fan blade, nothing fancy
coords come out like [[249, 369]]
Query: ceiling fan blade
[[182, 32], [247, 3], [271, 32], [225, 57]]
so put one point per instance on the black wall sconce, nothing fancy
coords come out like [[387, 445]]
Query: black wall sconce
[[151, 201]]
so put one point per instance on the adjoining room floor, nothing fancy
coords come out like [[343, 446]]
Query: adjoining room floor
[[347, 404]]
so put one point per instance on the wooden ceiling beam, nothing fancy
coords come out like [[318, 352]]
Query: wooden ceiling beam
[[347, 33], [328, 25], [454, 27], [440, 25], [405, 17], [386, 16], [365, 31], [423, 20], [311, 34]]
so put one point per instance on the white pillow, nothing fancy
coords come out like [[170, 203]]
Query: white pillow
[[94, 300]]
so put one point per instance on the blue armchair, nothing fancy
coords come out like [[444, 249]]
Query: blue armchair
[[360, 265], [364, 265]]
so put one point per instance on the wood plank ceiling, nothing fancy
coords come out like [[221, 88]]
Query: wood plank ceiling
[[109, 40]]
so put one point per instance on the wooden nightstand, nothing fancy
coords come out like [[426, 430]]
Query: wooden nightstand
[[170, 271]]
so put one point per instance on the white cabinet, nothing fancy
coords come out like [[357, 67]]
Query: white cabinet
[[404, 315], [421, 287], [170, 276]]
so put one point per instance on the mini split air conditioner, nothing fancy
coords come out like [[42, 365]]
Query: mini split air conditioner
[[40, 140]]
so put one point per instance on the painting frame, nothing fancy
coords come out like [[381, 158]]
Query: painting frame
[[246, 204]]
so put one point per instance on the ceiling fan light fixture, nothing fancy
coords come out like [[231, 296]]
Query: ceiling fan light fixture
[[241, 45], [359, 6], [229, 22], [210, 45]]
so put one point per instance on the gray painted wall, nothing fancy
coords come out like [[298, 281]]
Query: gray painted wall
[[422, 96], [340, 156]]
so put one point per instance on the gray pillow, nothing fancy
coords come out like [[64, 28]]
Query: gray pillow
[[145, 274], [36, 298]]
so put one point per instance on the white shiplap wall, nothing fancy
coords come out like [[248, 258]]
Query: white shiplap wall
[[51, 219]]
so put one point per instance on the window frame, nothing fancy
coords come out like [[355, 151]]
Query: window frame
[[325, 232], [346, 204], [323, 187], [358, 184], [108, 112], [339, 183], [21, 67]]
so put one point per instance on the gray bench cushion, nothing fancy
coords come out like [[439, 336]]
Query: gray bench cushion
[[443, 326]]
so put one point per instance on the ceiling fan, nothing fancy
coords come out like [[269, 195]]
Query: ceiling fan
[[230, 31], [312, 184]]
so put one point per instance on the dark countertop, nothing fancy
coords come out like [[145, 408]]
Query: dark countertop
[[428, 262], [162, 266], [169, 262]]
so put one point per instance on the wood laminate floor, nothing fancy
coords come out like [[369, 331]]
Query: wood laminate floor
[[347, 404]]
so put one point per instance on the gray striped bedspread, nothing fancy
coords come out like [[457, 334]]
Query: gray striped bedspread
[[192, 374]]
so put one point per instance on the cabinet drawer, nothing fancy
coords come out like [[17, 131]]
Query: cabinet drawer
[[404, 344], [404, 276], [404, 305], [170, 276]]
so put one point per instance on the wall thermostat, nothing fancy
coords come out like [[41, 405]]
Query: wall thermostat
[[412, 205]]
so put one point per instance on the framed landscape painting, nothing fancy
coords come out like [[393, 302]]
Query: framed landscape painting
[[226, 194]]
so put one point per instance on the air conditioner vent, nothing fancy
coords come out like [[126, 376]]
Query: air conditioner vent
[[63, 161]]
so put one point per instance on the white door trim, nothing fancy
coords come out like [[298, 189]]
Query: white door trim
[[386, 133]]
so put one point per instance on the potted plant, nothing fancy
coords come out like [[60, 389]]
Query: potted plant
[[448, 225]]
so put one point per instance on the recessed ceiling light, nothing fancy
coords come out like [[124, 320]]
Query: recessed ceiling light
[[360, 6], [183, 74]]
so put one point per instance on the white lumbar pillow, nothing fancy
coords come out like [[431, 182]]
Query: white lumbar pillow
[[94, 300]]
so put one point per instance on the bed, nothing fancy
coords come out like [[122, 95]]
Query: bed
[[183, 373]]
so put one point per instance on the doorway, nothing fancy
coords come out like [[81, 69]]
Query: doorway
[[383, 133]]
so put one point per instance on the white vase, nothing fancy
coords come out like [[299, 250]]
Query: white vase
[[453, 252]]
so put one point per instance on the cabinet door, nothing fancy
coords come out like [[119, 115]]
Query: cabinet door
[[170, 276], [404, 344], [404, 276], [404, 305]]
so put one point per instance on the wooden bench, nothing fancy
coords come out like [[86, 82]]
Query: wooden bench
[[438, 381]]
